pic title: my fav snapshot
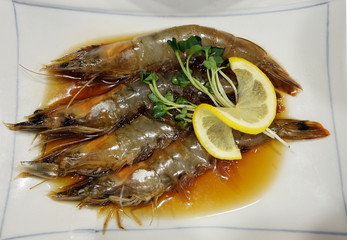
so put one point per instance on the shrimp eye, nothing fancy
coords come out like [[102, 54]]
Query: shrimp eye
[[68, 121], [37, 119], [64, 64]]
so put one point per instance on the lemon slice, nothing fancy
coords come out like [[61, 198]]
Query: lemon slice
[[256, 106], [214, 135], [253, 113]]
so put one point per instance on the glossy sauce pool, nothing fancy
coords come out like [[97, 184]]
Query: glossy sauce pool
[[245, 182], [239, 184]]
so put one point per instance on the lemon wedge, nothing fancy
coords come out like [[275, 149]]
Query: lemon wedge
[[253, 113]]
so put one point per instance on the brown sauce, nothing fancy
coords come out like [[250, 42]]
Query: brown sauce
[[247, 180], [243, 182]]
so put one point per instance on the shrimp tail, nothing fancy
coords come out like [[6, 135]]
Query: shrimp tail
[[288, 129], [299, 129], [280, 77]]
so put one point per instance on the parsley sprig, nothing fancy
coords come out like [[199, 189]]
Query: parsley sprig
[[164, 104], [183, 109], [213, 63]]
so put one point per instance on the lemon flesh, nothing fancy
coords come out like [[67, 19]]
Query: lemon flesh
[[257, 104], [214, 135], [253, 113]]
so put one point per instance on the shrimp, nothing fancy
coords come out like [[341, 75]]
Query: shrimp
[[121, 60], [92, 115], [95, 115], [140, 183], [146, 181], [134, 142]]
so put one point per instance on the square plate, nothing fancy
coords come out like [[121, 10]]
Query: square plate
[[307, 200]]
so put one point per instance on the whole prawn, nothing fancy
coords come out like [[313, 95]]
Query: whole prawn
[[136, 141], [140, 183], [95, 115], [122, 60], [131, 143]]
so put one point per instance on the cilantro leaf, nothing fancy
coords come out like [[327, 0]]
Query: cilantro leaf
[[153, 97], [181, 79], [159, 109], [182, 101], [173, 44], [169, 97], [195, 49], [148, 78], [216, 51], [184, 45]]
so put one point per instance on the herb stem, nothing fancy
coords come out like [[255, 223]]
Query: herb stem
[[193, 80], [228, 103], [274, 135], [155, 90], [230, 82]]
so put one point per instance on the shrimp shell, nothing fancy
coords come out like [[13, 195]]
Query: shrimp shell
[[121, 60]]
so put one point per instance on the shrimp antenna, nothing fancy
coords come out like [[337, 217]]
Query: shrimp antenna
[[32, 71], [38, 184], [47, 74]]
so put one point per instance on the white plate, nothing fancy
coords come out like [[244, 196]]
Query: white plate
[[308, 198]]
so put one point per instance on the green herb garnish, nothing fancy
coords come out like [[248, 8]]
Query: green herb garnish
[[181, 79], [181, 109], [213, 63], [164, 104]]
